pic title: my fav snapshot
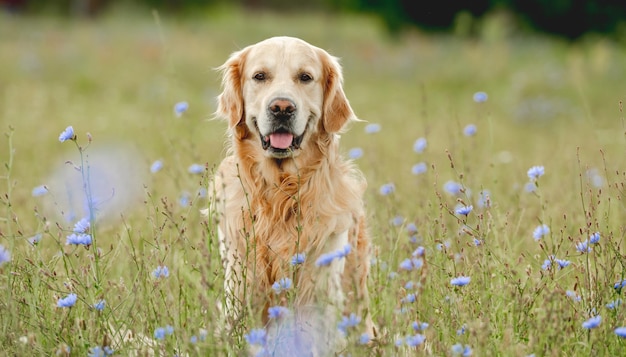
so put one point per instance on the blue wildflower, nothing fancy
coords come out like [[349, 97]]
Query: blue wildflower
[[541, 231], [477, 242], [530, 187], [256, 336], [562, 263], [419, 168], [409, 285], [281, 285], [161, 272], [99, 305], [34, 240], [460, 350], [470, 130], [185, 199], [275, 312], [415, 340], [355, 153], [364, 339], [572, 295], [419, 252], [619, 285], [592, 322], [397, 220], [410, 298], [535, 172], [420, 145], [461, 331], [348, 322], [460, 281], [464, 210], [583, 247], [594, 238], [100, 351], [614, 304], [325, 259], [180, 108], [195, 169], [67, 301], [82, 226], [620, 331], [453, 188], [387, 189], [420, 326], [156, 166], [372, 128], [480, 97], [78, 239], [595, 178], [39, 191], [193, 339], [546, 264], [298, 258], [5, 255], [411, 264], [67, 134], [159, 333], [411, 228]]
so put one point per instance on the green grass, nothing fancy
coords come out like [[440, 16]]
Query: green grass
[[118, 77]]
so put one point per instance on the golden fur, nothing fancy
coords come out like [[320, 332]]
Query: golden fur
[[273, 203]]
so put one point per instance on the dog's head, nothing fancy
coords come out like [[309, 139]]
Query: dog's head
[[280, 92]]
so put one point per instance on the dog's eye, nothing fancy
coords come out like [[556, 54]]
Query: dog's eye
[[305, 77], [260, 76]]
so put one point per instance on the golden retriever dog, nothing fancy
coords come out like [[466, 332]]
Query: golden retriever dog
[[289, 207]]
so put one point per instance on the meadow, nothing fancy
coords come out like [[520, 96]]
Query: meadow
[[495, 162]]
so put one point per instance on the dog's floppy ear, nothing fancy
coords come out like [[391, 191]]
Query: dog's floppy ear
[[337, 111], [230, 104]]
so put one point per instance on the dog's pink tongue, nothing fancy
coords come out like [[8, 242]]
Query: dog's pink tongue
[[281, 140]]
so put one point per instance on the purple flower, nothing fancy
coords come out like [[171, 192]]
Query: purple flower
[[420, 326], [546, 264], [613, 304], [460, 350], [480, 97], [387, 189], [572, 295], [156, 166], [594, 238], [419, 252], [541, 231], [464, 210], [67, 134], [460, 281], [180, 108], [161, 332], [420, 145], [562, 263], [256, 336], [78, 239], [275, 312], [348, 322], [411, 264], [161, 272], [355, 153], [535, 172], [195, 169], [34, 240], [453, 188], [281, 285], [67, 301], [364, 339], [372, 128], [82, 226], [99, 305], [39, 191], [530, 187], [410, 298], [620, 331], [583, 247], [5, 255], [470, 130], [415, 340], [419, 168], [298, 259], [592, 322]]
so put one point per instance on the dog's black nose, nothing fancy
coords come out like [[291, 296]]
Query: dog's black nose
[[282, 107]]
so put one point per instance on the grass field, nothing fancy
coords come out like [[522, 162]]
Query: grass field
[[531, 291]]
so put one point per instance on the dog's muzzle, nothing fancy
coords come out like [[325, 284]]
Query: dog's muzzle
[[281, 141]]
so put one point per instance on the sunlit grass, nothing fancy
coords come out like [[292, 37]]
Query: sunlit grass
[[118, 78]]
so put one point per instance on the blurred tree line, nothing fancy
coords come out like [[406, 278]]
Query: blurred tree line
[[568, 18]]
